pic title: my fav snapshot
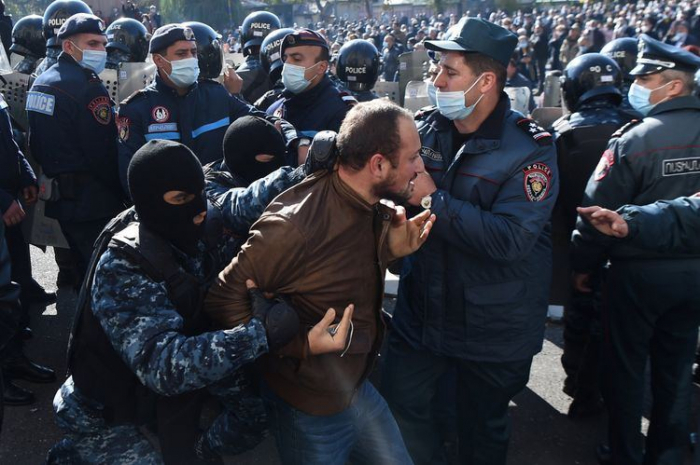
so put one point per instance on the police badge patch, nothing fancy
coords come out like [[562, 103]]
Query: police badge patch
[[123, 124], [536, 182], [160, 114], [101, 109], [607, 160]]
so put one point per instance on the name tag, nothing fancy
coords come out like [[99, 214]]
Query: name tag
[[163, 127], [41, 103], [679, 166]]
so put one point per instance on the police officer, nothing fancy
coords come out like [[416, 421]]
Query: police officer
[[55, 15], [358, 68], [256, 26], [590, 87], [470, 300], [141, 352], [73, 136], [127, 42], [515, 79], [209, 52], [624, 52], [652, 298], [28, 42], [310, 101], [176, 106], [271, 61]]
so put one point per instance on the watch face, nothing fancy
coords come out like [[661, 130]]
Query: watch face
[[426, 202]]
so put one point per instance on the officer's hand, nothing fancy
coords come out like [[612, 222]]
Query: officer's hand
[[280, 320], [326, 337], [606, 221], [406, 236], [232, 81], [30, 194], [14, 215], [423, 185], [581, 283]]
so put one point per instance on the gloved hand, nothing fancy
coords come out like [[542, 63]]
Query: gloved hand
[[322, 153], [279, 318]]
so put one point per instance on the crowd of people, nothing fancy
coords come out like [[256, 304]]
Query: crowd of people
[[229, 231]]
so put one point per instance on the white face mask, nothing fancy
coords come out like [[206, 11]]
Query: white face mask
[[92, 59], [184, 72], [293, 78], [639, 97], [432, 93], [451, 104]]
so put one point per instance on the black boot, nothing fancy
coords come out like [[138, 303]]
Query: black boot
[[20, 367], [15, 395]]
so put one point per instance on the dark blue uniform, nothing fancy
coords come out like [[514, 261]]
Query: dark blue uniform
[[198, 119], [73, 137]]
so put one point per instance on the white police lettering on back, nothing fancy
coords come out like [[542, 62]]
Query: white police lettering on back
[[40, 103]]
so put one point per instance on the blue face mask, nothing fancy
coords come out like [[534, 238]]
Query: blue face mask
[[639, 98], [183, 73], [451, 104], [92, 59], [293, 78], [432, 93]]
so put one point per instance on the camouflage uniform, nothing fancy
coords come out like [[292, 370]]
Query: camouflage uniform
[[146, 331]]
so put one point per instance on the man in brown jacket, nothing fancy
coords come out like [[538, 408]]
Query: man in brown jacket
[[326, 243]]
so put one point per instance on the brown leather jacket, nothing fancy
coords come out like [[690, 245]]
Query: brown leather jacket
[[323, 246]]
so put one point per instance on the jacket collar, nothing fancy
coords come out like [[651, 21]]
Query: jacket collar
[[689, 102], [69, 60], [308, 97], [356, 201]]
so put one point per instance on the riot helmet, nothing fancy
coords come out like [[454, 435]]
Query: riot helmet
[[27, 38], [624, 52], [256, 26], [209, 51], [588, 76], [56, 14], [127, 41], [358, 64], [270, 56]]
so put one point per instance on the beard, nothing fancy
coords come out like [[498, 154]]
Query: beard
[[384, 190]]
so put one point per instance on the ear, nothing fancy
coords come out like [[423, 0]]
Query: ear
[[378, 166], [488, 82], [675, 89]]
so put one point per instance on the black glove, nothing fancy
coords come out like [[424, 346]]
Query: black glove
[[279, 318], [322, 152]]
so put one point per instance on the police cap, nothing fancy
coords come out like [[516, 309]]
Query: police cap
[[475, 35], [655, 56], [81, 23], [167, 35], [303, 37]]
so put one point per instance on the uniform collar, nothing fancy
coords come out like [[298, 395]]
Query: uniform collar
[[490, 129], [309, 96], [687, 102]]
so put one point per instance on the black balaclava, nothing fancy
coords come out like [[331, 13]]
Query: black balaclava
[[250, 136], [160, 166]]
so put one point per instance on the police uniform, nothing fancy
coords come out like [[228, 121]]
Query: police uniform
[[474, 297], [148, 332], [198, 119], [73, 137], [652, 299], [520, 81], [317, 109], [358, 68], [255, 28]]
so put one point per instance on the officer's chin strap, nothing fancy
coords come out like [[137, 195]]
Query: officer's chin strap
[[352, 330]]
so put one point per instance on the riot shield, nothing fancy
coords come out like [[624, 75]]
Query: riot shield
[[133, 77], [14, 87], [416, 96], [412, 67], [234, 59], [519, 98], [546, 116], [389, 90], [109, 79], [552, 90]]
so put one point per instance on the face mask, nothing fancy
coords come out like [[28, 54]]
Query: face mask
[[451, 104], [293, 78], [185, 72], [432, 93], [522, 45], [639, 98], [92, 59]]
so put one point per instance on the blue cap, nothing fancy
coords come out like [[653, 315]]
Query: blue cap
[[655, 56], [167, 35], [475, 35], [81, 23]]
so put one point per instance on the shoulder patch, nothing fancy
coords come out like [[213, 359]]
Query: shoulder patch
[[625, 128], [537, 132], [431, 154], [537, 179], [123, 128], [101, 109], [607, 160], [136, 95]]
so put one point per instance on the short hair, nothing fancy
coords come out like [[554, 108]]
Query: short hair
[[323, 55], [686, 78], [480, 63], [370, 128]]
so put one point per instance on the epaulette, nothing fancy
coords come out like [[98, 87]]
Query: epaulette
[[424, 112], [625, 128], [534, 130], [135, 95]]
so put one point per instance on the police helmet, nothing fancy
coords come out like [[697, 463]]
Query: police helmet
[[590, 75], [256, 26], [27, 39], [270, 56], [56, 14], [127, 41], [209, 50], [358, 64], [624, 52]]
